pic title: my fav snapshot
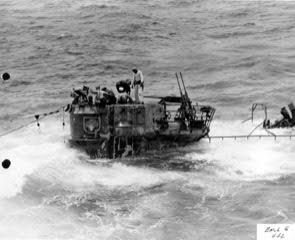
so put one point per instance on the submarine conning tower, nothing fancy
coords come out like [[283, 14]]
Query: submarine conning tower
[[106, 126], [104, 131]]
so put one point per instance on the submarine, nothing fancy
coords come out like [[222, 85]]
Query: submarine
[[108, 126]]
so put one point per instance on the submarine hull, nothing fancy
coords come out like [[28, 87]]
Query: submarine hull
[[124, 130]]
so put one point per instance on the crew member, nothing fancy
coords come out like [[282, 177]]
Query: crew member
[[124, 86], [137, 82]]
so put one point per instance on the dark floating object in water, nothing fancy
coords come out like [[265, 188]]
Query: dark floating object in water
[[6, 163], [287, 120], [5, 76]]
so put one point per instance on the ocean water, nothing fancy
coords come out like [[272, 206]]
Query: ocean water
[[231, 53]]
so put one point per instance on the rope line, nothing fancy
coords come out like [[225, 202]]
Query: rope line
[[17, 128], [255, 128], [37, 117]]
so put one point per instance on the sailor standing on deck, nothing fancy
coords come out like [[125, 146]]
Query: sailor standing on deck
[[138, 82]]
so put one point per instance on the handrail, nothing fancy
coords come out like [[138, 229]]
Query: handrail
[[222, 137]]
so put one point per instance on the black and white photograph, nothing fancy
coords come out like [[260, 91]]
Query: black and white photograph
[[147, 119]]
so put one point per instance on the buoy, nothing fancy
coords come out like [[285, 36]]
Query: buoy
[[6, 163], [5, 76]]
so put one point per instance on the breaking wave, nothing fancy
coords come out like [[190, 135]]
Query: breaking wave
[[49, 180], [230, 53]]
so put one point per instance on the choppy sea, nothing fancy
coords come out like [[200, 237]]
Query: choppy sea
[[231, 53]]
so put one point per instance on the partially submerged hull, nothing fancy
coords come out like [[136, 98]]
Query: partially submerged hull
[[122, 130], [107, 126], [286, 121]]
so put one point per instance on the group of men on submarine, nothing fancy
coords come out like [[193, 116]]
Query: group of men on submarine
[[104, 96]]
